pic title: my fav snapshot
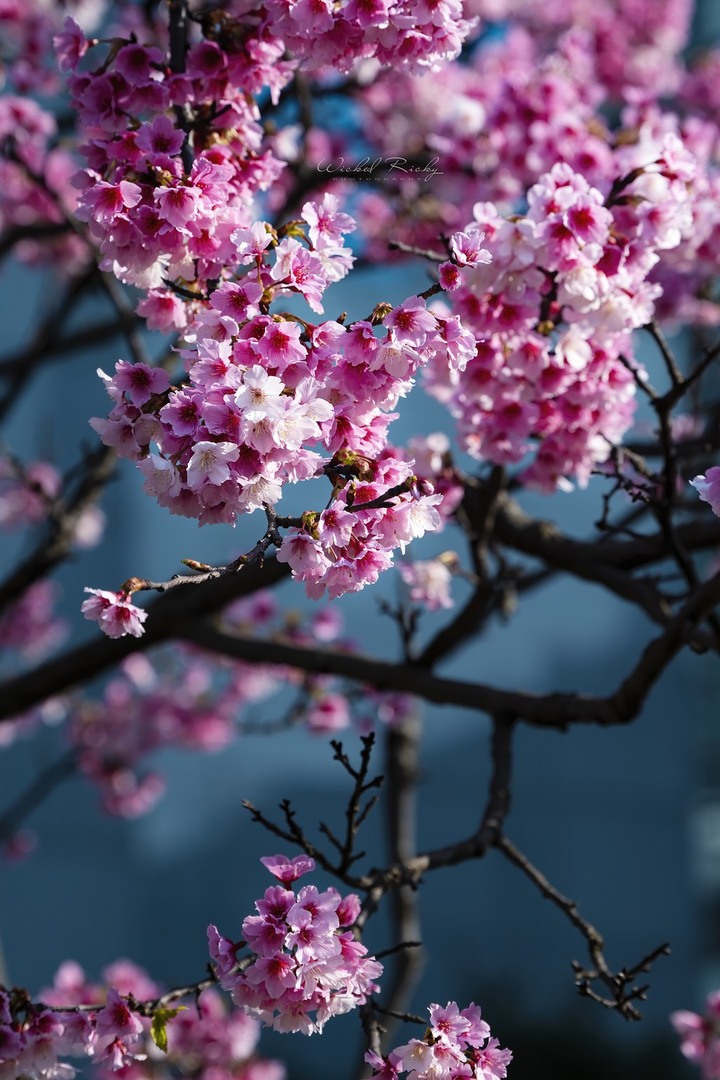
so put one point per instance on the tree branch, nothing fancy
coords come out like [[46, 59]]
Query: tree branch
[[623, 992], [167, 615]]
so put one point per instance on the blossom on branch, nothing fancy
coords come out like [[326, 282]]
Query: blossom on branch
[[456, 1045], [307, 965], [708, 488], [114, 612]]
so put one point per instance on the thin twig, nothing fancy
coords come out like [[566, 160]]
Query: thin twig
[[620, 984]]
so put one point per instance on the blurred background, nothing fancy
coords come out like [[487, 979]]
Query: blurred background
[[625, 821]]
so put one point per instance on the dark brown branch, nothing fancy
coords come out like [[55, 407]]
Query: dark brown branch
[[423, 253], [42, 351], [586, 560], [702, 534], [465, 623], [411, 870], [17, 370], [35, 794], [356, 811], [167, 615], [126, 317], [623, 992], [42, 230], [402, 752], [633, 690], [355, 814], [498, 804], [270, 538], [184, 621], [178, 30], [477, 516], [204, 573], [555, 710], [676, 376], [678, 391]]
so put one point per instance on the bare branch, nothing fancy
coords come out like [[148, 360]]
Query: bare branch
[[623, 992], [676, 376], [168, 613]]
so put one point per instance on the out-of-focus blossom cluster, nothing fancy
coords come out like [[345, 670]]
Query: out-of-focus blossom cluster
[[29, 625], [191, 700], [122, 1027], [645, 55], [554, 312], [307, 963], [494, 125], [26, 491], [457, 1044], [700, 1036], [36, 192], [27, 28], [429, 582]]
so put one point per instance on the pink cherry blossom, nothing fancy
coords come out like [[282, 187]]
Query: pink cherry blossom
[[210, 463], [700, 1036], [288, 870], [115, 613], [467, 248], [458, 1044], [429, 582], [305, 970], [708, 488]]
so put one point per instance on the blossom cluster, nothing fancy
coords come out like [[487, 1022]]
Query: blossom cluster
[[554, 374], [262, 390], [522, 103], [33, 1046], [29, 625], [519, 107], [420, 36], [236, 431], [700, 1036], [175, 147], [122, 1025], [36, 191], [644, 56], [555, 311], [27, 28], [457, 1044], [173, 136], [307, 964]]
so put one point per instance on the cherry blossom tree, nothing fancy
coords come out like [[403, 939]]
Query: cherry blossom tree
[[212, 170]]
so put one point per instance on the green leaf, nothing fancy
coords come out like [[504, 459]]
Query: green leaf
[[158, 1029]]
